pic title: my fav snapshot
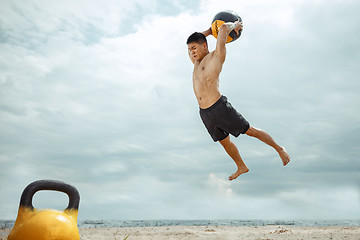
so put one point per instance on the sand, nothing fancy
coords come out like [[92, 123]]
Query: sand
[[218, 232]]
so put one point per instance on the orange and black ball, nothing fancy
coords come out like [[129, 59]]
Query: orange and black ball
[[220, 19]]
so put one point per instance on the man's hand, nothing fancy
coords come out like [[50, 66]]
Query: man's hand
[[236, 26]]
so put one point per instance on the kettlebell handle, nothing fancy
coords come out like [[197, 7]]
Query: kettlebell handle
[[32, 188]]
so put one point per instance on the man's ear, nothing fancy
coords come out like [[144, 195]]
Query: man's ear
[[205, 45]]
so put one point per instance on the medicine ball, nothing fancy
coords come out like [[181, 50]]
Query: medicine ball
[[220, 19]]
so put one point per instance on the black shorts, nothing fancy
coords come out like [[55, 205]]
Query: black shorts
[[221, 119]]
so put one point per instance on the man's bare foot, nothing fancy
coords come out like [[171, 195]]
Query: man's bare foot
[[238, 173], [284, 156]]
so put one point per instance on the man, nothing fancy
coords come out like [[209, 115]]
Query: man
[[217, 114]]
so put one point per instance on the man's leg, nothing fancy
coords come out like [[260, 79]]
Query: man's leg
[[266, 138], [233, 152]]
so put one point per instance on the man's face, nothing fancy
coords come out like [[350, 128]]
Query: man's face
[[197, 51]]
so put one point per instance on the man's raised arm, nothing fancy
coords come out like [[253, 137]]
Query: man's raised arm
[[223, 34]]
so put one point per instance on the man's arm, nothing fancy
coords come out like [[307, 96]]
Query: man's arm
[[223, 34], [207, 32]]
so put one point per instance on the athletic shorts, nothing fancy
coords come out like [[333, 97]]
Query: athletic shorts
[[221, 119]]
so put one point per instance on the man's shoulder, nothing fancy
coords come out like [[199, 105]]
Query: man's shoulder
[[212, 53], [209, 56], [208, 59], [212, 58]]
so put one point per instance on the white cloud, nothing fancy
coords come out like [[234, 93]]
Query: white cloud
[[223, 187]]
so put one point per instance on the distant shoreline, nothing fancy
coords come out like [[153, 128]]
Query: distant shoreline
[[4, 224]]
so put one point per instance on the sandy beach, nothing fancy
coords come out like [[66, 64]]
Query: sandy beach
[[218, 232]]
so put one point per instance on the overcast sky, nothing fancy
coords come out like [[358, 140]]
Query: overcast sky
[[99, 94]]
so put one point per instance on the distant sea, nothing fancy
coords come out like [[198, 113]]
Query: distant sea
[[154, 223]]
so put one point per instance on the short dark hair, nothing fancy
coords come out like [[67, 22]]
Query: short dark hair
[[197, 37]]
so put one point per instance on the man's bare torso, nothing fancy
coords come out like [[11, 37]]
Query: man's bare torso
[[206, 80]]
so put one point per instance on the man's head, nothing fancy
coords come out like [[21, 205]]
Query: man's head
[[197, 46]]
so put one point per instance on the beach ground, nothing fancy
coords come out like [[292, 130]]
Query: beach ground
[[217, 232]]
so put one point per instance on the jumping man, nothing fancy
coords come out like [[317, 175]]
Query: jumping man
[[217, 114]]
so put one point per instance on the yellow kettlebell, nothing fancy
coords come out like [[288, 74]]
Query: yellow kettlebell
[[46, 224]]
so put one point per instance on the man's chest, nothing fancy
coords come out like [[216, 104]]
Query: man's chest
[[205, 72]]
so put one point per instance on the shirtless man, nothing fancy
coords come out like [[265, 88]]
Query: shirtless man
[[217, 114]]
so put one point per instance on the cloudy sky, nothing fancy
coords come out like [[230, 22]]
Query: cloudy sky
[[99, 94]]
